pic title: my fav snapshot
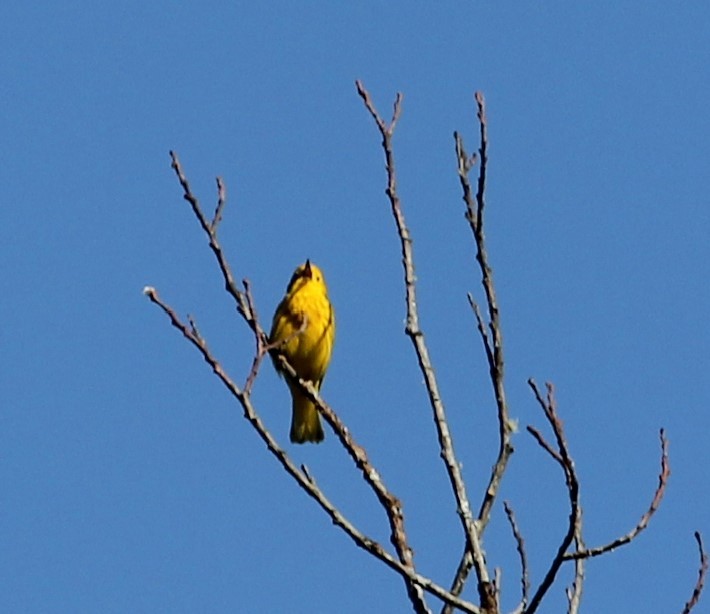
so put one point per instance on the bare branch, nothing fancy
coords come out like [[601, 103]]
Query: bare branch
[[303, 477], [193, 327], [262, 345], [481, 325], [645, 519], [391, 504], [491, 334], [416, 335], [574, 592], [211, 231], [564, 459], [520, 545], [702, 572], [396, 110], [221, 200], [496, 365], [489, 327], [545, 445], [307, 473], [246, 308]]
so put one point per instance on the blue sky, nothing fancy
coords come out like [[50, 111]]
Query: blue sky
[[129, 480]]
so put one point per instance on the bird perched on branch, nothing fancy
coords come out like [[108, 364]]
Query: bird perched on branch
[[303, 331]]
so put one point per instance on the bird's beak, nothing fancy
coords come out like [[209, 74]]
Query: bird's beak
[[307, 271]]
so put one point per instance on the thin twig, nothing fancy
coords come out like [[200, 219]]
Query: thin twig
[[416, 335], [574, 592], [702, 572], [211, 231], [544, 444], [303, 477], [481, 325], [491, 334], [193, 327], [246, 308], [260, 338], [496, 360], [520, 545], [307, 473], [221, 199], [391, 504], [564, 459], [645, 519]]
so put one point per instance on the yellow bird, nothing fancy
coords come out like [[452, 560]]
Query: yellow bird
[[303, 330]]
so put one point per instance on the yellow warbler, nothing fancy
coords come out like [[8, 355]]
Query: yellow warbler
[[303, 330]]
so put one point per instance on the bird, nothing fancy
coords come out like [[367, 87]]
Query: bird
[[303, 330]]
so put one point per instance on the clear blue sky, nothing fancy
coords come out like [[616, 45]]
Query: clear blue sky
[[129, 481]]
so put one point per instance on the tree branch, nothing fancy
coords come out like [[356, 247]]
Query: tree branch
[[491, 332], [520, 545], [563, 458], [211, 231], [246, 308], [702, 572], [645, 519], [391, 504], [303, 478], [416, 335], [489, 328], [221, 200], [574, 592]]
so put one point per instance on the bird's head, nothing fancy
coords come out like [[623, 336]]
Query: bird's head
[[306, 274]]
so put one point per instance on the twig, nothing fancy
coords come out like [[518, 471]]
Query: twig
[[211, 231], [574, 592], [416, 335], [391, 504], [645, 519], [520, 545], [481, 325], [496, 361], [491, 334], [702, 572], [564, 459], [193, 327], [262, 345], [302, 477], [545, 445], [246, 308], [221, 199]]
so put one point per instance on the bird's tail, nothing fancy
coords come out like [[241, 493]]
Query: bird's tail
[[305, 422]]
